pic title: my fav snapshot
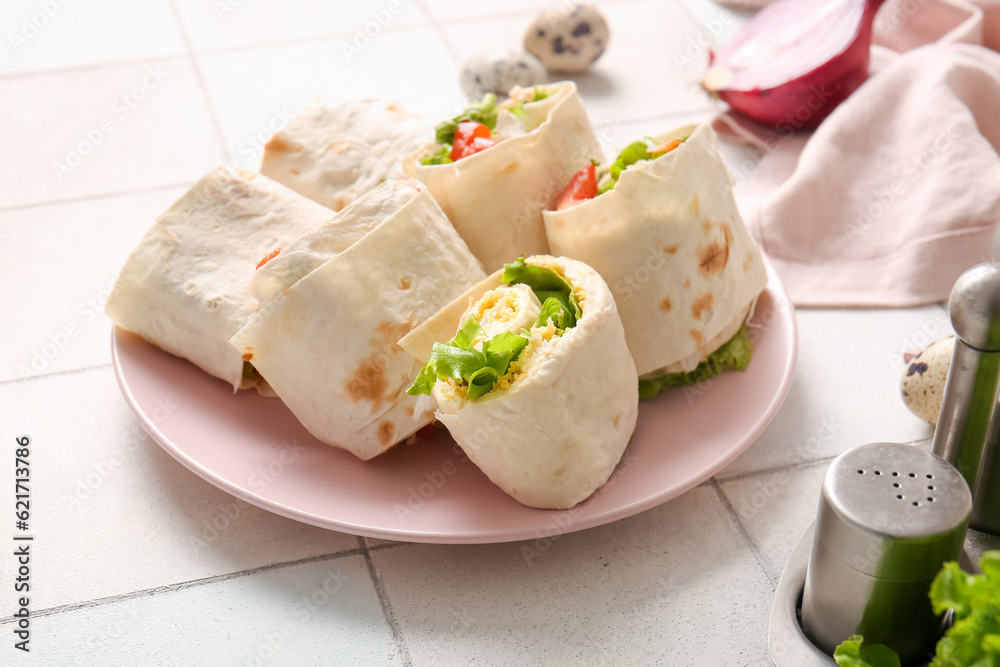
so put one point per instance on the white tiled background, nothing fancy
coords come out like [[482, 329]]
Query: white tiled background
[[140, 562]]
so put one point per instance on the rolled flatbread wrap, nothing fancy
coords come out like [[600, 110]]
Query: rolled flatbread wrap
[[185, 287], [671, 244], [334, 153], [334, 303], [553, 427], [495, 197]]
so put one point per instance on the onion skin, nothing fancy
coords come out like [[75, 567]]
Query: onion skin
[[804, 102]]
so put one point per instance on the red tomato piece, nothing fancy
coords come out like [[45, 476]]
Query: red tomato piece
[[272, 255], [468, 135], [582, 186]]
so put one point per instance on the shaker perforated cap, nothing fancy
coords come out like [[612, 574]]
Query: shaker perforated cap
[[890, 510], [889, 516]]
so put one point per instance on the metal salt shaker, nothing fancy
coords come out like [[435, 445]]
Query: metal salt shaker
[[968, 428], [890, 515]]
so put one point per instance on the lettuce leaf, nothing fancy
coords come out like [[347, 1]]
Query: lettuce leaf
[[733, 354], [541, 93], [485, 112], [852, 654], [974, 637], [637, 151], [460, 361], [547, 285]]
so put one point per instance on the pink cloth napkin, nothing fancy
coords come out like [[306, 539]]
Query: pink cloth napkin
[[898, 191]]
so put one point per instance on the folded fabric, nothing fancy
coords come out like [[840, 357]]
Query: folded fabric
[[898, 191]]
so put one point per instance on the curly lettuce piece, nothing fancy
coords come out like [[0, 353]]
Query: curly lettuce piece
[[974, 637], [851, 653], [637, 151], [546, 284], [734, 354]]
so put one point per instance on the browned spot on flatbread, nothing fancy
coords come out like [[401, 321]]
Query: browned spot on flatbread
[[712, 258], [387, 333], [282, 145], [748, 262], [687, 283], [386, 433], [338, 147], [671, 249], [617, 419], [408, 410], [694, 206], [509, 169], [392, 107], [368, 381], [428, 414], [666, 304], [248, 355], [701, 304], [404, 283], [294, 171], [706, 227], [698, 337], [727, 234]]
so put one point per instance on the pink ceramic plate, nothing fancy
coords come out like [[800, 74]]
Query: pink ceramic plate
[[255, 449]]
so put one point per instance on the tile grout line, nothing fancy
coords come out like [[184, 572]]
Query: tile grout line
[[94, 197], [194, 583], [772, 578], [438, 30], [383, 599], [53, 374], [202, 84], [801, 465]]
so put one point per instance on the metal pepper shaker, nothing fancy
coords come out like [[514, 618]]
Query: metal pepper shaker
[[889, 516], [968, 427]]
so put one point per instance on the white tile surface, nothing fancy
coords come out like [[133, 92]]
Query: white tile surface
[[846, 387], [114, 513], [247, 23], [55, 34], [640, 591], [257, 92], [60, 323], [139, 561], [643, 74], [103, 130], [320, 613]]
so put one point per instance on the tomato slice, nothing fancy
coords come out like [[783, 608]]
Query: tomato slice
[[470, 137], [270, 256], [582, 186]]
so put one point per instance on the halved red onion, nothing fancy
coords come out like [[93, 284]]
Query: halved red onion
[[795, 61]]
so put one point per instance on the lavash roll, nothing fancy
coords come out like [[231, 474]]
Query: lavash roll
[[555, 434], [495, 197], [184, 287], [671, 244], [334, 153], [334, 303]]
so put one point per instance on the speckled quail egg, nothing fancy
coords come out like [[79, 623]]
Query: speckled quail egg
[[498, 71], [568, 38], [924, 379]]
